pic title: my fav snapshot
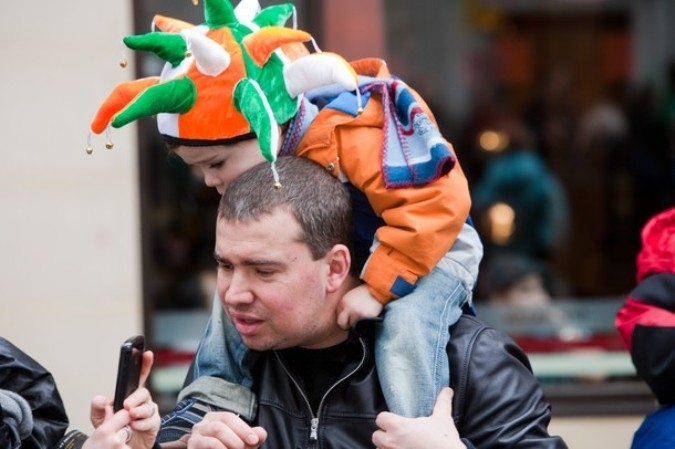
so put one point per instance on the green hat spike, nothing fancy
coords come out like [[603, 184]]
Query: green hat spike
[[170, 47], [276, 15], [251, 101], [218, 13], [175, 96]]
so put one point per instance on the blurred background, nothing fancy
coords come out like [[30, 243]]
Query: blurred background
[[561, 112]]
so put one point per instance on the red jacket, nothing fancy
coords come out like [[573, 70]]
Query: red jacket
[[646, 320]]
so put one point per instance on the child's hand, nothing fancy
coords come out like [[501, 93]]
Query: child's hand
[[356, 304]]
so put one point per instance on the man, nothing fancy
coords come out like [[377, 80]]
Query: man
[[284, 263]]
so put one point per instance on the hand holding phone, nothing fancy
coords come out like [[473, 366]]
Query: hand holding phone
[[128, 369]]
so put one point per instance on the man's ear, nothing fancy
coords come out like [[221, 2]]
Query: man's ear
[[339, 263]]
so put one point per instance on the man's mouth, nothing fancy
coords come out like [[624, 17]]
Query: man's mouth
[[246, 325]]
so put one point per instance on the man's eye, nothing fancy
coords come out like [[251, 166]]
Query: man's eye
[[216, 165], [265, 273], [225, 266]]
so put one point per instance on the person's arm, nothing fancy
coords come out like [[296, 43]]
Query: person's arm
[[421, 223], [21, 374], [498, 401]]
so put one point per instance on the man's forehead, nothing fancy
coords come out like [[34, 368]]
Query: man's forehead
[[265, 238]]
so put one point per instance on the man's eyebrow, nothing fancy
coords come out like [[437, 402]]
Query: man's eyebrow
[[258, 262], [252, 262]]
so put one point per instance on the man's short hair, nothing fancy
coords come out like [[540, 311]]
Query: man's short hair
[[317, 200]]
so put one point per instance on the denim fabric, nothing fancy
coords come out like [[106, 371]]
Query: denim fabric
[[409, 347], [222, 356], [410, 342], [221, 352]]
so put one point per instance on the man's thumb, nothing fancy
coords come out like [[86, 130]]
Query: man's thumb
[[443, 405]]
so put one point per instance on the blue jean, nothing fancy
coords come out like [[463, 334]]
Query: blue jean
[[410, 343], [409, 346]]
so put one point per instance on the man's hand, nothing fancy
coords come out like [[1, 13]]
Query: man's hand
[[437, 431], [357, 303], [225, 430]]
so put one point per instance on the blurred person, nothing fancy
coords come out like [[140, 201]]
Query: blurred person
[[518, 178], [32, 414], [513, 282], [646, 321], [364, 126], [512, 279]]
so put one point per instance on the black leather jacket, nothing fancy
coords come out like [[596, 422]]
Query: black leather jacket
[[498, 403], [20, 374]]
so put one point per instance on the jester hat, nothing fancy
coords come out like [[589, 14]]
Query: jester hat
[[240, 73]]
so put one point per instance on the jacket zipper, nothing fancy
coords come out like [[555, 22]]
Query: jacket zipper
[[314, 425]]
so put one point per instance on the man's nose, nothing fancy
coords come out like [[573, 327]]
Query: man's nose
[[234, 288]]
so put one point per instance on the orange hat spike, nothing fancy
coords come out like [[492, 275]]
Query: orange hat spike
[[263, 42], [170, 25], [118, 99]]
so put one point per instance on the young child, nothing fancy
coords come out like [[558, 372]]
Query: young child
[[242, 88]]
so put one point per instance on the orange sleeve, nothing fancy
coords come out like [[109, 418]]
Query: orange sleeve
[[421, 223]]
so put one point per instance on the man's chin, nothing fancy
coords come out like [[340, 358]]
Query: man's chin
[[256, 344]]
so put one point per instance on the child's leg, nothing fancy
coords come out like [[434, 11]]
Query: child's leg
[[410, 345]]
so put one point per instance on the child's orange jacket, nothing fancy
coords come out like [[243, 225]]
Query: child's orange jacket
[[421, 222]]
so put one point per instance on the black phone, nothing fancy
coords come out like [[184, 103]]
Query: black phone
[[128, 369]]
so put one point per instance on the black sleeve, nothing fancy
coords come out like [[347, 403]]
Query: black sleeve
[[23, 375], [498, 402]]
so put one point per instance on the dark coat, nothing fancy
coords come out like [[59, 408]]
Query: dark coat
[[498, 403], [20, 374]]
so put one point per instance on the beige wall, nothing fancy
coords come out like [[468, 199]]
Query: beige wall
[[69, 248], [583, 432]]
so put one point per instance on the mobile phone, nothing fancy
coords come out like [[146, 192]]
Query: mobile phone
[[128, 369]]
